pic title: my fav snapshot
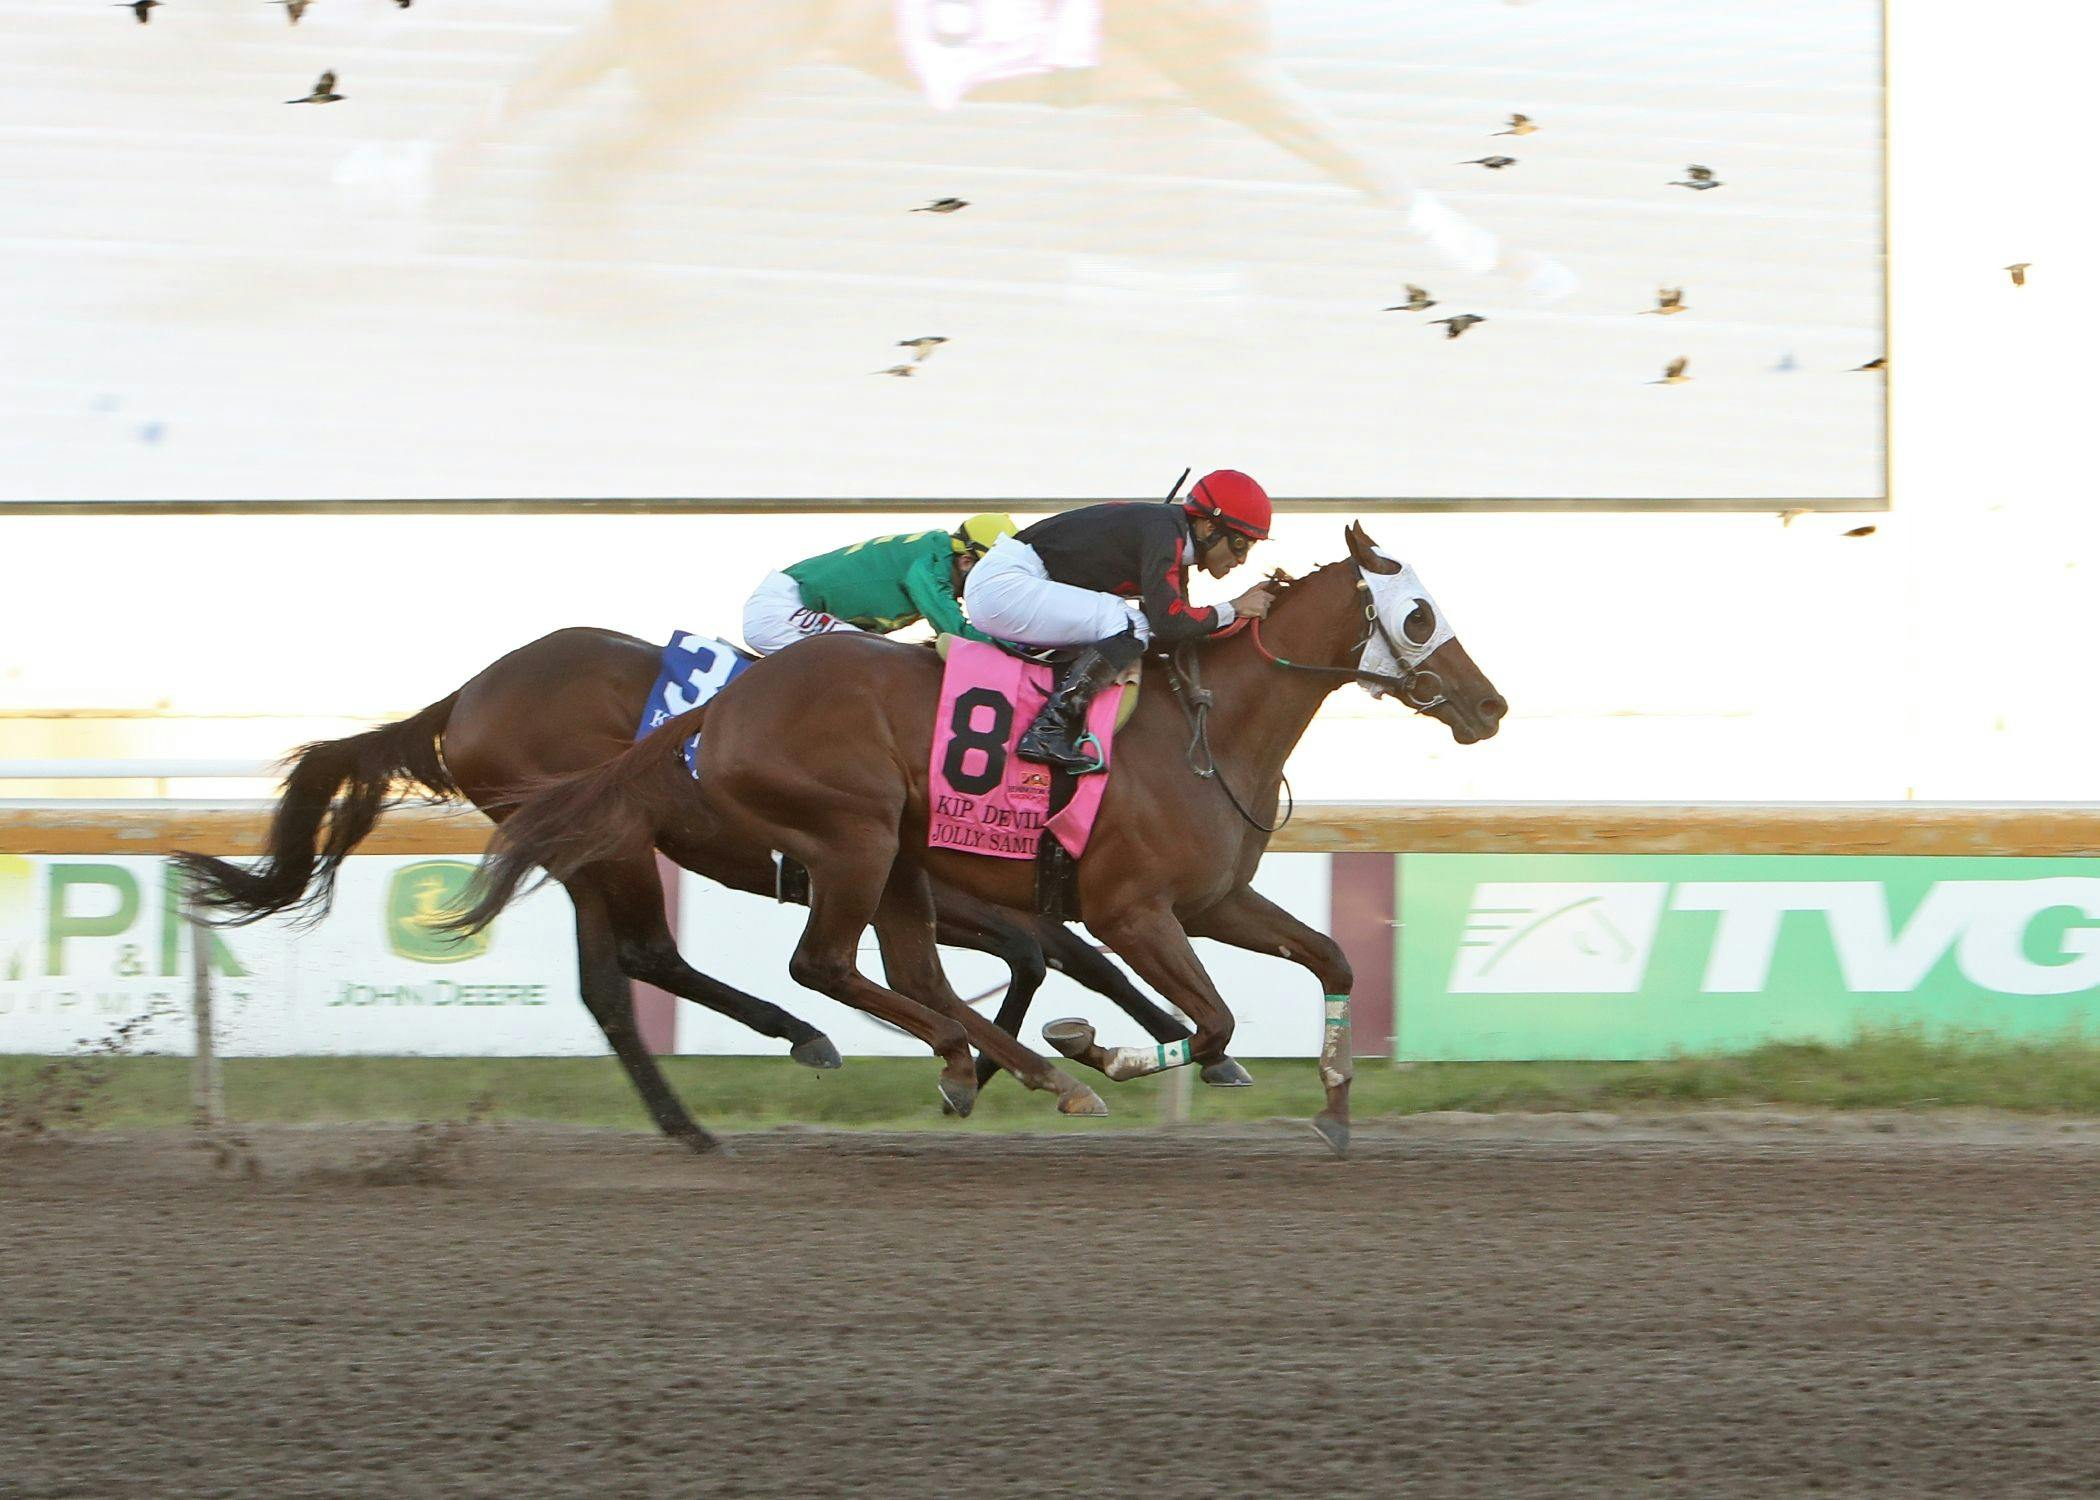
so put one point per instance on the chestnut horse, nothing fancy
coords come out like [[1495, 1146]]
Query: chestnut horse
[[822, 753], [565, 702]]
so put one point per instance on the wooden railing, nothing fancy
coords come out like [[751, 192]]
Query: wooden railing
[[1914, 828]]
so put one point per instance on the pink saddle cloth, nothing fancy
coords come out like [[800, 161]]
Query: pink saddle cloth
[[954, 46], [986, 799]]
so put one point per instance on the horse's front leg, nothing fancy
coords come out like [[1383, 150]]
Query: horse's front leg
[[1150, 940], [1247, 919], [1078, 960]]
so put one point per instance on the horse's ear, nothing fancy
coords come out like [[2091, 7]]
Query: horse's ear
[[1365, 551]]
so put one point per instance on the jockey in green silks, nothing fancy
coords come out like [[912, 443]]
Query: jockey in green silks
[[880, 585]]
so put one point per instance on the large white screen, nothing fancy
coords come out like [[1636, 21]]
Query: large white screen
[[551, 249]]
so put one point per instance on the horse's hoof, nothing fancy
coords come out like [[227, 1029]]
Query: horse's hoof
[[1069, 1036], [1082, 1100], [958, 1099], [817, 1052], [700, 1143], [1227, 1074], [1334, 1132]]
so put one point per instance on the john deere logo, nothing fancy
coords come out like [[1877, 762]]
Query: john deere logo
[[422, 897]]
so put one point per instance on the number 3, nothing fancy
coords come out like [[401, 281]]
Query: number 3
[[707, 678]]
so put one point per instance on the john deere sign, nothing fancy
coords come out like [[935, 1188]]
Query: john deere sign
[[419, 900], [1538, 956]]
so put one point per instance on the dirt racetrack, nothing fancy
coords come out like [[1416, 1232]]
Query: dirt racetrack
[[1720, 1305]]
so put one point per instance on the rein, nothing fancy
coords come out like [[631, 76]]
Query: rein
[[1195, 699], [1402, 686]]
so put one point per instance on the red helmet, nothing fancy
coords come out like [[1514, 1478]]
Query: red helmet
[[1232, 499]]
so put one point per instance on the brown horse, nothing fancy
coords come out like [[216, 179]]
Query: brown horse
[[566, 702], [822, 752]]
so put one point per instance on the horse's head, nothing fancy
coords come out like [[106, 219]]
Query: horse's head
[[1410, 638]]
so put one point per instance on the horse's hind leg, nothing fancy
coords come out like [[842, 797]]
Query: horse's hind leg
[[964, 921], [905, 925], [647, 951], [848, 870], [1013, 946], [610, 998]]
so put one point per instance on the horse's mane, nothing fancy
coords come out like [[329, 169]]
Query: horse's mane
[[1285, 587]]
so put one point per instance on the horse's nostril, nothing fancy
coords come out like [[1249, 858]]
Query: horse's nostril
[[1493, 708]]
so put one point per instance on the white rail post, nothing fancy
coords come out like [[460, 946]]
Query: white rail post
[[207, 1094], [1181, 1083]]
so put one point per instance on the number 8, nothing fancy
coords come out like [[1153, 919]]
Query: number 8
[[965, 737]]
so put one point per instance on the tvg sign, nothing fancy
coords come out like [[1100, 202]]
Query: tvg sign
[[1635, 956]]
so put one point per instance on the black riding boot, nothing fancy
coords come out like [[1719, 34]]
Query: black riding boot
[[1053, 739]]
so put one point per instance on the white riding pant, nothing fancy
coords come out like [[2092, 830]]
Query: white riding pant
[[775, 616], [1009, 594]]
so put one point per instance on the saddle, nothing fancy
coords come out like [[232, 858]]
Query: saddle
[[1059, 660]]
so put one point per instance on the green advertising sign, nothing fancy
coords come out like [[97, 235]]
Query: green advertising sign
[[1533, 956]]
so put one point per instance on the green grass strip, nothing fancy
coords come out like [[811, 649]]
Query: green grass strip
[[1896, 1070]]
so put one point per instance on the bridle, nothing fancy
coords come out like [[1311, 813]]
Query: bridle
[[1196, 699], [1404, 686]]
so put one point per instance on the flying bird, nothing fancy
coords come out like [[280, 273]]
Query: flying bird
[[2018, 267], [294, 9], [1519, 125], [1881, 363], [143, 9], [324, 91], [1455, 326], [901, 371], [1492, 163], [922, 346], [1418, 300], [1673, 372], [943, 206], [1861, 531], [1701, 178], [1669, 299]]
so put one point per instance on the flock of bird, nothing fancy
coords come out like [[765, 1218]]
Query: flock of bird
[[1668, 300], [323, 91], [293, 10]]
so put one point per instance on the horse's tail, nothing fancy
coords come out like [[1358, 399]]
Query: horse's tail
[[298, 875], [604, 813]]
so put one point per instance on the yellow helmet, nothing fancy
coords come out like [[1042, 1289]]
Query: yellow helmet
[[979, 532]]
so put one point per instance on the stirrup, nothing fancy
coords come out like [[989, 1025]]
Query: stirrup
[[1061, 756]]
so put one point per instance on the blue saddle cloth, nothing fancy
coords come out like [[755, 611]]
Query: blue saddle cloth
[[695, 668]]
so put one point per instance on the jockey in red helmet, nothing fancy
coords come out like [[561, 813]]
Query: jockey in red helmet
[[1112, 579]]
